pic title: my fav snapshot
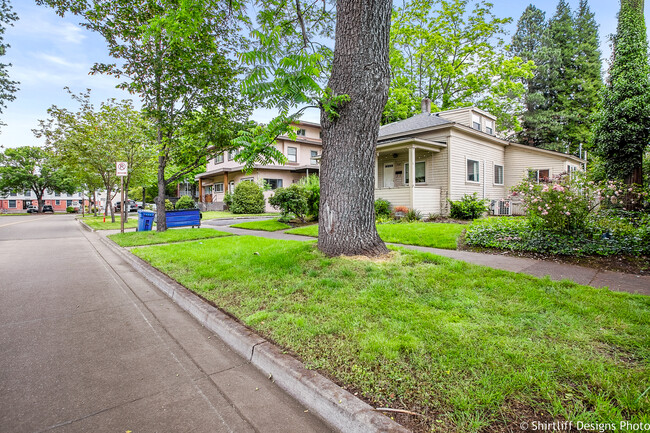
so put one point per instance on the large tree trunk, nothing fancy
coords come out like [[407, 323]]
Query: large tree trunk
[[360, 70]]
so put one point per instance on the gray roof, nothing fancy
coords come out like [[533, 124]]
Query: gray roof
[[419, 121]]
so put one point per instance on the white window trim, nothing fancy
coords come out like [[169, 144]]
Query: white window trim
[[312, 160], [288, 154], [474, 182], [425, 172], [550, 173], [503, 174], [215, 188], [15, 206]]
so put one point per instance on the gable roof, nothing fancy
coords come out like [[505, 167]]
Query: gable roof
[[419, 121]]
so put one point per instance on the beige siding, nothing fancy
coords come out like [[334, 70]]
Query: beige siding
[[464, 117], [463, 147], [519, 161]]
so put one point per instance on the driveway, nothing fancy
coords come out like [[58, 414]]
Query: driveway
[[89, 345]]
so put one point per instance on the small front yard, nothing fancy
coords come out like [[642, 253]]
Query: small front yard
[[468, 347], [98, 223], [210, 215], [173, 235], [435, 235], [265, 225]]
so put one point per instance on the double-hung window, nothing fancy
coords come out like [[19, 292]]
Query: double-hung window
[[420, 172], [489, 127], [218, 187], [292, 154], [218, 159], [301, 132], [498, 174], [313, 155], [472, 170], [274, 183], [476, 122]]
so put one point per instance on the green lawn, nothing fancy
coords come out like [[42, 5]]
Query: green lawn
[[436, 235], [222, 214], [174, 235], [266, 225], [471, 348], [98, 223]]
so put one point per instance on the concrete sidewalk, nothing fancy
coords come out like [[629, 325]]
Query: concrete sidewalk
[[89, 345], [617, 281]]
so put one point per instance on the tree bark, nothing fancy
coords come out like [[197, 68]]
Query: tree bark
[[161, 219], [361, 71]]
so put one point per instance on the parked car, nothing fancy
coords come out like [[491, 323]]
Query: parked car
[[48, 208], [32, 209], [131, 206]]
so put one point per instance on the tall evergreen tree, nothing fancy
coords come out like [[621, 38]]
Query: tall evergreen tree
[[587, 74], [527, 44], [622, 129]]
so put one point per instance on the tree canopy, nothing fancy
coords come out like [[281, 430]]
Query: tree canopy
[[7, 86], [453, 53], [35, 169]]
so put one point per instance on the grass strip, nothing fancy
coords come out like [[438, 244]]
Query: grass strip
[[435, 235], [266, 225], [471, 348], [132, 239], [98, 223]]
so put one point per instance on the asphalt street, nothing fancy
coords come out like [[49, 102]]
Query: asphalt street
[[88, 345]]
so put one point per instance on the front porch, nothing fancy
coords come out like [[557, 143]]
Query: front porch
[[421, 188]]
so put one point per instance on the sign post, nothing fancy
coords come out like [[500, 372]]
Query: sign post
[[122, 170]]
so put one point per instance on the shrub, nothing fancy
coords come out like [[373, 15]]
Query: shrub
[[468, 208], [168, 204], [400, 209], [311, 189], [413, 215], [227, 199], [185, 202], [382, 208], [290, 200], [248, 197], [70, 209]]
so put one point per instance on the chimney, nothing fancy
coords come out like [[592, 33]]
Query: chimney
[[426, 105]]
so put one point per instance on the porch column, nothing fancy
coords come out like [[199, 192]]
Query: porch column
[[376, 170], [412, 176], [200, 190], [225, 182]]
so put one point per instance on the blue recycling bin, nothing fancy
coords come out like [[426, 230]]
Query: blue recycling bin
[[145, 220]]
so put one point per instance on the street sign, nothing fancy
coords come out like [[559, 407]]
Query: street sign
[[122, 169]]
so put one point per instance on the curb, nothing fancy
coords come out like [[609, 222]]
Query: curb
[[337, 407], [86, 226]]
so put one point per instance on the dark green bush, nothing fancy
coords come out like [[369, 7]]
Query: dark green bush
[[70, 209], [185, 202], [227, 199], [248, 197], [311, 189], [603, 238], [290, 200], [382, 208], [468, 208]]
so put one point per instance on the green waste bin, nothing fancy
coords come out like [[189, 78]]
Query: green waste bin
[[145, 220]]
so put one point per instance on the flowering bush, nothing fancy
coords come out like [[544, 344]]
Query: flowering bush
[[561, 205]]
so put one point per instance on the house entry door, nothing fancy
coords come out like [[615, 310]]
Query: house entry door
[[389, 175]]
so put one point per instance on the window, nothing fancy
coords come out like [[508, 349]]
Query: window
[[472, 171], [218, 187], [476, 122], [292, 154], [57, 194], [28, 203], [27, 193], [57, 202], [69, 195], [218, 159], [13, 193], [232, 154], [320, 134], [313, 160], [207, 189], [571, 170], [498, 174], [301, 132], [68, 203], [489, 126], [420, 176], [12, 204], [539, 175], [274, 183]]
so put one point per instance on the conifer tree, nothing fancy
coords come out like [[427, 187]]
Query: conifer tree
[[622, 129]]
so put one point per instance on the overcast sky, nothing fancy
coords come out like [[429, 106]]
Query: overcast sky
[[49, 53]]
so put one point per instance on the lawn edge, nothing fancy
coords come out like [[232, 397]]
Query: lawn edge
[[86, 226], [334, 405]]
